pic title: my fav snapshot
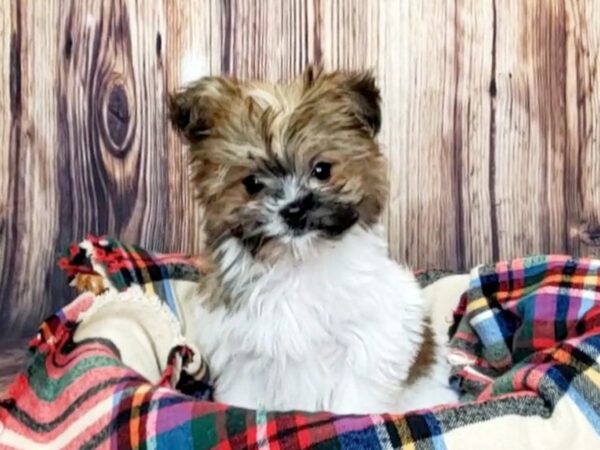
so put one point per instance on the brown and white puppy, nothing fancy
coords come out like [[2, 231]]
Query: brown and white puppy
[[303, 309]]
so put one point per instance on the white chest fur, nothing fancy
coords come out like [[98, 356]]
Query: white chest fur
[[335, 331]]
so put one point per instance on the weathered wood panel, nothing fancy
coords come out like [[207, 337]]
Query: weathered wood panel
[[473, 65], [30, 176], [491, 112], [268, 42], [191, 48], [5, 136], [347, 34], [110, 93], [583, 118], [418, 79], [529, 142]]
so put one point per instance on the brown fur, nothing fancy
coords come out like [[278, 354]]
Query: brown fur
[[85, 282], [235, 128], [425, 359]]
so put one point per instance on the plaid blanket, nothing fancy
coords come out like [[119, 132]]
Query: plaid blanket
[[525, 350]]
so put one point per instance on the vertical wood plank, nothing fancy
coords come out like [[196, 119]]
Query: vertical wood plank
[[30, 216], [582, 182], [472, 115], [270, 40], [193, 49], [530, 137], [111, 121], [418, 79], [148, 223], [348, 34], [99, 159], [5, 128]]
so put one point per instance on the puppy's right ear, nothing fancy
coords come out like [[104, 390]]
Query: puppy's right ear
[[190, 124], [194, 109]]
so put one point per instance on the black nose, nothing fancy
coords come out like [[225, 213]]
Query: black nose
[[295, 213]]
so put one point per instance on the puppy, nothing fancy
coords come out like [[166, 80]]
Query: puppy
[[303, 307]]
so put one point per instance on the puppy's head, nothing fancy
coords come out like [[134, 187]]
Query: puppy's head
[[286, 164]]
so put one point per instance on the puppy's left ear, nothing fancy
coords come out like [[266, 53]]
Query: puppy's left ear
[[365, 96]]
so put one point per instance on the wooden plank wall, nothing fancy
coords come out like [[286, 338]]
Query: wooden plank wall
[[491, 122]]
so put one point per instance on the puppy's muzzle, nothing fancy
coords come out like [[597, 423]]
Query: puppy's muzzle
[[307, 214], [295, 214]]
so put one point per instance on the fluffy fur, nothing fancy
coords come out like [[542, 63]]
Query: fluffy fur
[[303, 308]]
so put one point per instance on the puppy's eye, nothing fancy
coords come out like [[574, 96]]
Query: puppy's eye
[[252, 184], [322, 171]]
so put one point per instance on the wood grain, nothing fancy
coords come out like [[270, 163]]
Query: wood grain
[[583, 113], [491, 112], [347, 34], [111, 92], [268, 42], [6, 126], [30, 216], [473, 63], [418, 79], [529, 139], [191, 48]]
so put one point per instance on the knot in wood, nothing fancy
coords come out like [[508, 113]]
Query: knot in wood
[[116, 119]]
